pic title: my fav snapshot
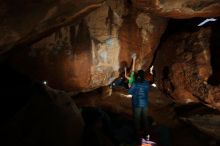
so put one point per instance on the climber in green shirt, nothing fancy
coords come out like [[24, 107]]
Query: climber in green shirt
[[131, 78]]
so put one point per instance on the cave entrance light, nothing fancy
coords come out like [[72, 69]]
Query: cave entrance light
[[206, 21]]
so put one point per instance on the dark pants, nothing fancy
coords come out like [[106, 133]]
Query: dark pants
[[140, 119]]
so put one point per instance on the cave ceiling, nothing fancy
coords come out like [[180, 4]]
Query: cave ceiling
[[43, 17], [180, 9]]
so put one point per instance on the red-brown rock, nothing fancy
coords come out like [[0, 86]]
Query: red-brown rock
[[26, 21], [180, 9], [183, 67], [88, 55]]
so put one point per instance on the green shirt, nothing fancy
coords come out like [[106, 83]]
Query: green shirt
[[131, 80]]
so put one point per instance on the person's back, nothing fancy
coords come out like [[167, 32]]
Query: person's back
[[139, 91]]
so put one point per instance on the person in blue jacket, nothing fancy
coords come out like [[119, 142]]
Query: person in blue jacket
[[139, 91]]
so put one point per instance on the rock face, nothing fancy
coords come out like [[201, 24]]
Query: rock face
[[27, 21], [89, 54], [180, 9], [81, 48], [183, 74], [140, 34], [43, 17]]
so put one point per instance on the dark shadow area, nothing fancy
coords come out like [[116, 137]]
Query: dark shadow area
[[181, 25], [189, 134], [186, 25], [215, 54], [107, 128], [176, 26], [42, 121], [166, 72], [15, 91], [193, 109]]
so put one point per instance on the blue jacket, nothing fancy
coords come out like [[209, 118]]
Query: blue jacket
[[139, 92]]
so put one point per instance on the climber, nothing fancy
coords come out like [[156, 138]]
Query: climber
[[123, 77], [139, 91], [131, 78]]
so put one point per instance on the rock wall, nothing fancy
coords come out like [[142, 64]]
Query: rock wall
[[26, 21], [183, 67], [89, 54], [180, 9], [84, 44], [43, 17], [140, 33]]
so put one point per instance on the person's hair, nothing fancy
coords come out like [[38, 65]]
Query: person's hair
[[140, 76]]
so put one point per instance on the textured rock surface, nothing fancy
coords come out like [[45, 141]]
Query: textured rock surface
[[25, 21], [43, 17], [183, 74], [77, 57], [100, 42], [180, 8], [140, 33], [89, 54]]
